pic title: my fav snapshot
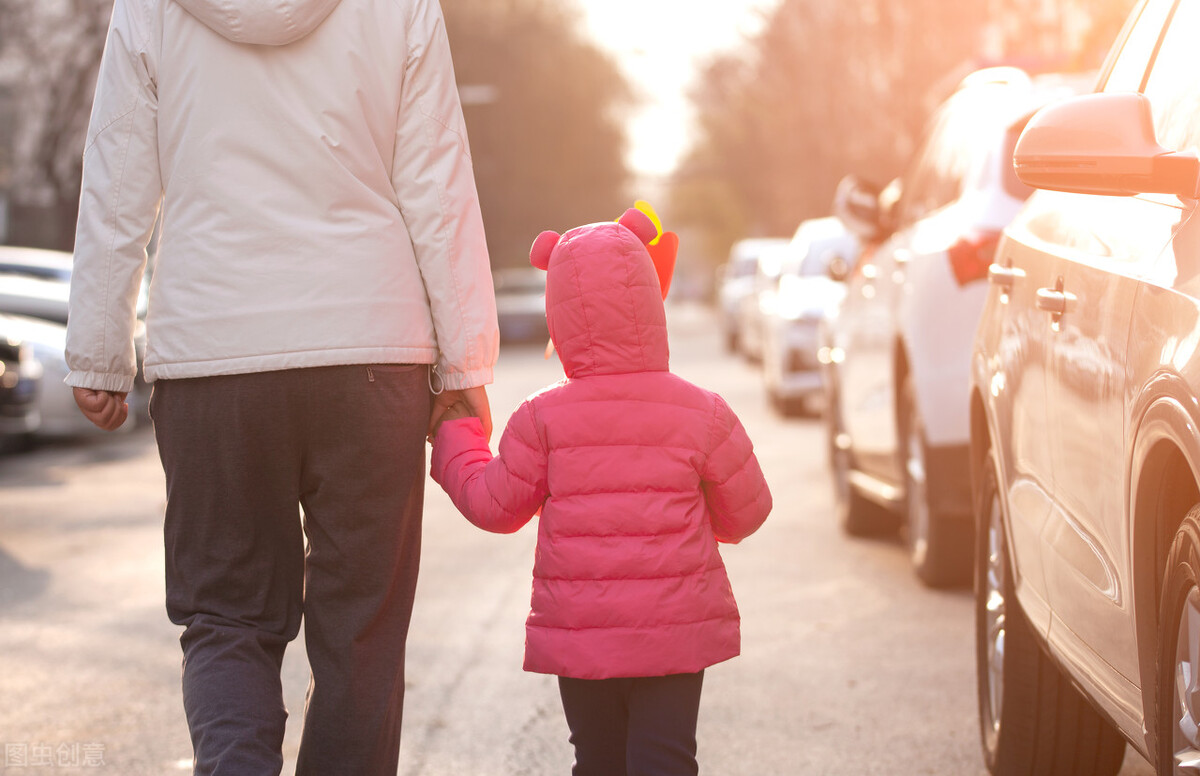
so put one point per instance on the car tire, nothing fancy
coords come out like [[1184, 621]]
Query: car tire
[[857, 515], [1032, 719], [939, 545], [784, 406], [1179, 643]]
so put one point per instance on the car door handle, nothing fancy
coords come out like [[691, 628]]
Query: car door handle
[[999, 275], [1054, 300]]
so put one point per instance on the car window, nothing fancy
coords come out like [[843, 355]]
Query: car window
[[1129, 69], [929, 182], [1174, 84], [816, 261], [957, 148], [743, 266]]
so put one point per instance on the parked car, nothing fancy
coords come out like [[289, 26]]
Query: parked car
[[805, 296], [738, 282], [59, 415], [759, 305], [1085, 425], [521, 304], [35, 283], [901, 344], [20, 385], [35, 262]]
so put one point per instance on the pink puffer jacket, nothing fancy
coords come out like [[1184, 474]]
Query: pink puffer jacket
[[637, 473]]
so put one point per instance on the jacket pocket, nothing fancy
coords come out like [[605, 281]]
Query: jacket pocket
[[375, 370]]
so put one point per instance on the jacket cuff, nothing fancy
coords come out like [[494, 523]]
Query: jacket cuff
[[100, 381], [458, 381]]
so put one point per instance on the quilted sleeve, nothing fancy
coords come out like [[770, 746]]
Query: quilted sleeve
[[737, 494], [501, 493]]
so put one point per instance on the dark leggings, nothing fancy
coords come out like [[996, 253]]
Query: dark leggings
[[643, 726]]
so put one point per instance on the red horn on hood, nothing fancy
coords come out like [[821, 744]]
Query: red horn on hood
[[663, 253]]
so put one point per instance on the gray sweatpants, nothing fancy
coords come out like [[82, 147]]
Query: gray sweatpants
[[243, 454]]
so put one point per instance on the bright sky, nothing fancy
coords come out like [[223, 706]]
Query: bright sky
[[662, 53]]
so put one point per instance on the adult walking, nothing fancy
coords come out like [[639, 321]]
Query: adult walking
[[321, 262]]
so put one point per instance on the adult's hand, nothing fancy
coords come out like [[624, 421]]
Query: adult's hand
[[476, 398], [106, 409]]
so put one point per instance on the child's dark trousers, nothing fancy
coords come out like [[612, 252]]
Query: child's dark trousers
[[242, 455], [643, 726]]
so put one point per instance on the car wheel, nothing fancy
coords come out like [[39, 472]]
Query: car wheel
[[939, 545], [856, 515], [1179, 653], [785, 406], [1032, 719]]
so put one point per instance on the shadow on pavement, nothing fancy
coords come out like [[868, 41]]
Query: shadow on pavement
[[18, 582]]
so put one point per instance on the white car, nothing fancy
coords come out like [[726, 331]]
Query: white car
[[35, 284], [20, 385], [899, 359], [55, 402], [737, 283], [805, 297], [759, 305]]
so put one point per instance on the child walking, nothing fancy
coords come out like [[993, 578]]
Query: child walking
[[637, 474]]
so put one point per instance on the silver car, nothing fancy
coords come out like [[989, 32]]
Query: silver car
[[35, 290], [1085, 425], [805, 296], [738, 283]]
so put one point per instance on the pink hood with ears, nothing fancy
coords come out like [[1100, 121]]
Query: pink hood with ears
[[604, 304]]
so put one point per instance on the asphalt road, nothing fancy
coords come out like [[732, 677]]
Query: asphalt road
[[848, 665]]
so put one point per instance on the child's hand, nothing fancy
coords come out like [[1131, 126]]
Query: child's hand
[[457, 410]]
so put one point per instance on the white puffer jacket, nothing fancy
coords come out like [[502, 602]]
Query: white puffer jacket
[[317, 196]]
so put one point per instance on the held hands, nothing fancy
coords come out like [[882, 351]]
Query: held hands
[[452, 405], [106, 409]]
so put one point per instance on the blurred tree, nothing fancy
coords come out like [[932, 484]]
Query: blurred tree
[[545, 114], [50, 50], [543, 107], [828, 89]]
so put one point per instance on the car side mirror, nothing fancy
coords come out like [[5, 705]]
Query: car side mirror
[[1101, 143], [838, 268], [856, 204]]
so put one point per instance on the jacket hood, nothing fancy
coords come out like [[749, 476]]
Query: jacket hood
[[604, 305], [263, 22]]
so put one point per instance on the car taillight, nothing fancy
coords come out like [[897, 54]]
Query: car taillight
[[971, 256]]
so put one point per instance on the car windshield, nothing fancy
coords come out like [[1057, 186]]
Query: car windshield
[[744, 266], [816, 261], [35, 271]]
